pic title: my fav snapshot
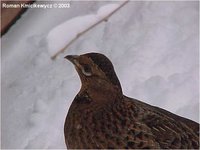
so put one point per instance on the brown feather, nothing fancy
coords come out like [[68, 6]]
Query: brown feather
[[101, 117]]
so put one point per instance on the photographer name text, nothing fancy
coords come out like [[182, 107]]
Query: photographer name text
[[34, 5]]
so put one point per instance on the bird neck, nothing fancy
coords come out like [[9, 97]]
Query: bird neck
[[99, 93], [101, 84]]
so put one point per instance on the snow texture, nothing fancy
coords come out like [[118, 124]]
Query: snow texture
[[63, 34], [153, 46]]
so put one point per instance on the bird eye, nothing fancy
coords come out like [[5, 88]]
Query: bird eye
[[87, 70]]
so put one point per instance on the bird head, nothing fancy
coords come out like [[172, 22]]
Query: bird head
[[95, 69]]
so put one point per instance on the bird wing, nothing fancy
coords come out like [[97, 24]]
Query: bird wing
[[193, 125], [169, 130]]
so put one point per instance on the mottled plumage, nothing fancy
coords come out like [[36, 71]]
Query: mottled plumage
[[100, 116]]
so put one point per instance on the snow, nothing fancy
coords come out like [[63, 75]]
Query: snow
[[153, 46], [63, 34]]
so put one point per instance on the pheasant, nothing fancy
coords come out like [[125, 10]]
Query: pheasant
[[101, 117]]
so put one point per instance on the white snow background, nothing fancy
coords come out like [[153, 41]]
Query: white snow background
[[153, 47]]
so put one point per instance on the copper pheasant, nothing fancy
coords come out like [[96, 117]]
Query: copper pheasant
[[101, 117]]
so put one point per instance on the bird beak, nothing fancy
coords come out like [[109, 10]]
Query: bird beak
[[72, 59]]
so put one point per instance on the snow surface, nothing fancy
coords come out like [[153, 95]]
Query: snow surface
[[153, 46], [63, 34]]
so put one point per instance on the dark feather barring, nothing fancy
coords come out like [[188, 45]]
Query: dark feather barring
[[101, 117]]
